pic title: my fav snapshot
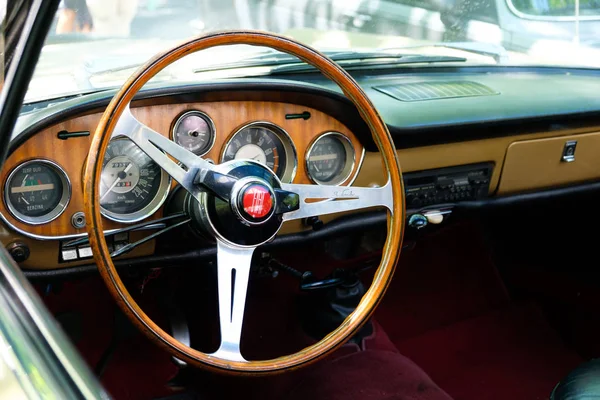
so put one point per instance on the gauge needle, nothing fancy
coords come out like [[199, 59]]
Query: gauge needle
[[115, 182], [26, 202]]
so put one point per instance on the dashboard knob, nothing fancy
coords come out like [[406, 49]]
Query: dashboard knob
[[315, 222], [417, 221], [19, 251]]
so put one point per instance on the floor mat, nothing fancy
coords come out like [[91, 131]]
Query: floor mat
[[510, 353]]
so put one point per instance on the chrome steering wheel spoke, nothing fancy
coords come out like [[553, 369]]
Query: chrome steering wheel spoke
[[334, 199], [192, 172], [233, 272], [292, 201]]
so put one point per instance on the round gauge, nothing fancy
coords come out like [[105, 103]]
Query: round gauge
[[133, 186], [265, 143], [194, 131], [37, 191], [330, 159]]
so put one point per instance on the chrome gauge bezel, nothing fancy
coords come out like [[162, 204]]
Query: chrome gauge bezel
[[349, 165], [291, 165], [56, 211], [204, 116], [153, 206]]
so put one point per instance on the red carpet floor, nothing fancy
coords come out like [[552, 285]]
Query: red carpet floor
[[448, 310], [510, 353]]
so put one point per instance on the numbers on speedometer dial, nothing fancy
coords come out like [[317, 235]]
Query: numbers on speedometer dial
[[132, 186], [266, 144]]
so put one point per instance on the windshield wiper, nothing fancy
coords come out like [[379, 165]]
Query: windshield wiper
[[282, 63], [497, 52], [374, 60]]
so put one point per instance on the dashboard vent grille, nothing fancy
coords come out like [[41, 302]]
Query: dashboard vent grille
[[420, 91]]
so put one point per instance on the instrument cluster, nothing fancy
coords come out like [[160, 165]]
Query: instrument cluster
[[134, 187]]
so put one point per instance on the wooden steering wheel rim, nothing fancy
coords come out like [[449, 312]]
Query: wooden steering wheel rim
[[95, 230]]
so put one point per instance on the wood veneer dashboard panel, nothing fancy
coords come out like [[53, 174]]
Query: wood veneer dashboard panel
[[228, 117]]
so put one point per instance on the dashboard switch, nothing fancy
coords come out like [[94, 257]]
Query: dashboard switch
[[434, 217], [19, 251], [85, 252], [69, 255]]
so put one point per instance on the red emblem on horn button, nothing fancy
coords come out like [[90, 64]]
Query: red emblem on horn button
[[257, 201]]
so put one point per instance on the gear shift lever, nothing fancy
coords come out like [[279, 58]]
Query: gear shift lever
[[323, 311]]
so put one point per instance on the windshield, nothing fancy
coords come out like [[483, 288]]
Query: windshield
[[96, 44]]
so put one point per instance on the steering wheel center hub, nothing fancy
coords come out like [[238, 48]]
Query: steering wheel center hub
[[255, 202], [251, 216]]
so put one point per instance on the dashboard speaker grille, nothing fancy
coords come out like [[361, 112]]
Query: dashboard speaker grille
[[420, 91]]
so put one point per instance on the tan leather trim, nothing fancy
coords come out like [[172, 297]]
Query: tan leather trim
[[536, 164]]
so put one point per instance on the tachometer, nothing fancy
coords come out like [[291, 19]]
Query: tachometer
[[265, 143], [133, 186], [195, 131], [330, 159], [37, 191]]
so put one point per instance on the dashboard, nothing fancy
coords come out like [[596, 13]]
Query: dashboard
[[42, 179], [452, 150]]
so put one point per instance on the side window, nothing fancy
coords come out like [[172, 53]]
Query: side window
[[556, 8]]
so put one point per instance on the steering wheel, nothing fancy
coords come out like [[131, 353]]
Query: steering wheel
[[222, 193]]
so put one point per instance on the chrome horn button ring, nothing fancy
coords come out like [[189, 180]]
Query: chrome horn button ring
[[232, 222]]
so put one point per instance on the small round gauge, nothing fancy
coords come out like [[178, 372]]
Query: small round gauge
[[330, 159], [132, 186], [265, 143], [194, 131], [37, 191]]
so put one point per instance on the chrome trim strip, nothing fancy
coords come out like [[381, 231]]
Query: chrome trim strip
[[207, 118], [56, 211], [565, 18], [347, 143], [62, 237], [9, 74], [282, 134]]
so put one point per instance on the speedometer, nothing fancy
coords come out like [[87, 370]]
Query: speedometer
[[133, 186], [265, 143]]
